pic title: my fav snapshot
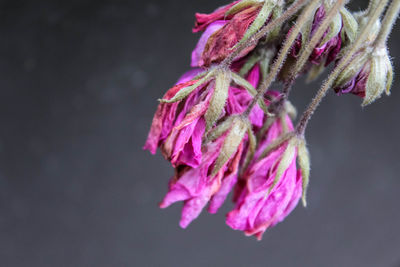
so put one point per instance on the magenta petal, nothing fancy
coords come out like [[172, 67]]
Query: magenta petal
[[177, 193], [277, 202], [230, 179], [254, 76], [192, 209], [257, 116], [296, 195], [198, 51], [191, 153], [219, 198]]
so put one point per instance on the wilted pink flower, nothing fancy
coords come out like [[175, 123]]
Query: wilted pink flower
[[178, 128], [327, 51], [222, 33], [258, 205], [196, 187]]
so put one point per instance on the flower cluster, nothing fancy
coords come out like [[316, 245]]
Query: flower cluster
[[224, 130]]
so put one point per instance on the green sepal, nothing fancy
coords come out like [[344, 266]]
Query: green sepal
[[231, 143], [376, 83], [389, 77], [350, 25], [219, 97], [184, 92], [303, 159], [284, 163], [240, 6]]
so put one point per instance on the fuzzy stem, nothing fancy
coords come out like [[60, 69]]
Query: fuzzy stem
[[300, 128], [372, 5], [296, 6], [276, 67], [388, 23]]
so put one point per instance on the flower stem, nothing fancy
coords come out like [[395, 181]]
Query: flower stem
[[372, 5], [296, 6], [301, 21], [388, 23], [301, 126]]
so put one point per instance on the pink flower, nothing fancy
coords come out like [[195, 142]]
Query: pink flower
[[327, 51], [258, 205], [178, 127], [196, 187], [222, 33]]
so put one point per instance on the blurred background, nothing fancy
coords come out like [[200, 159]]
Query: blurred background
[[79, 81]]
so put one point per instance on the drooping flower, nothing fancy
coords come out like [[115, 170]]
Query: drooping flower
[[271, 186], [369, 75], [202, 185], [178, 127], [226, 27]]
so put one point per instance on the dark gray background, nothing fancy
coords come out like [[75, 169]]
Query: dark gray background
[[78, 87]]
